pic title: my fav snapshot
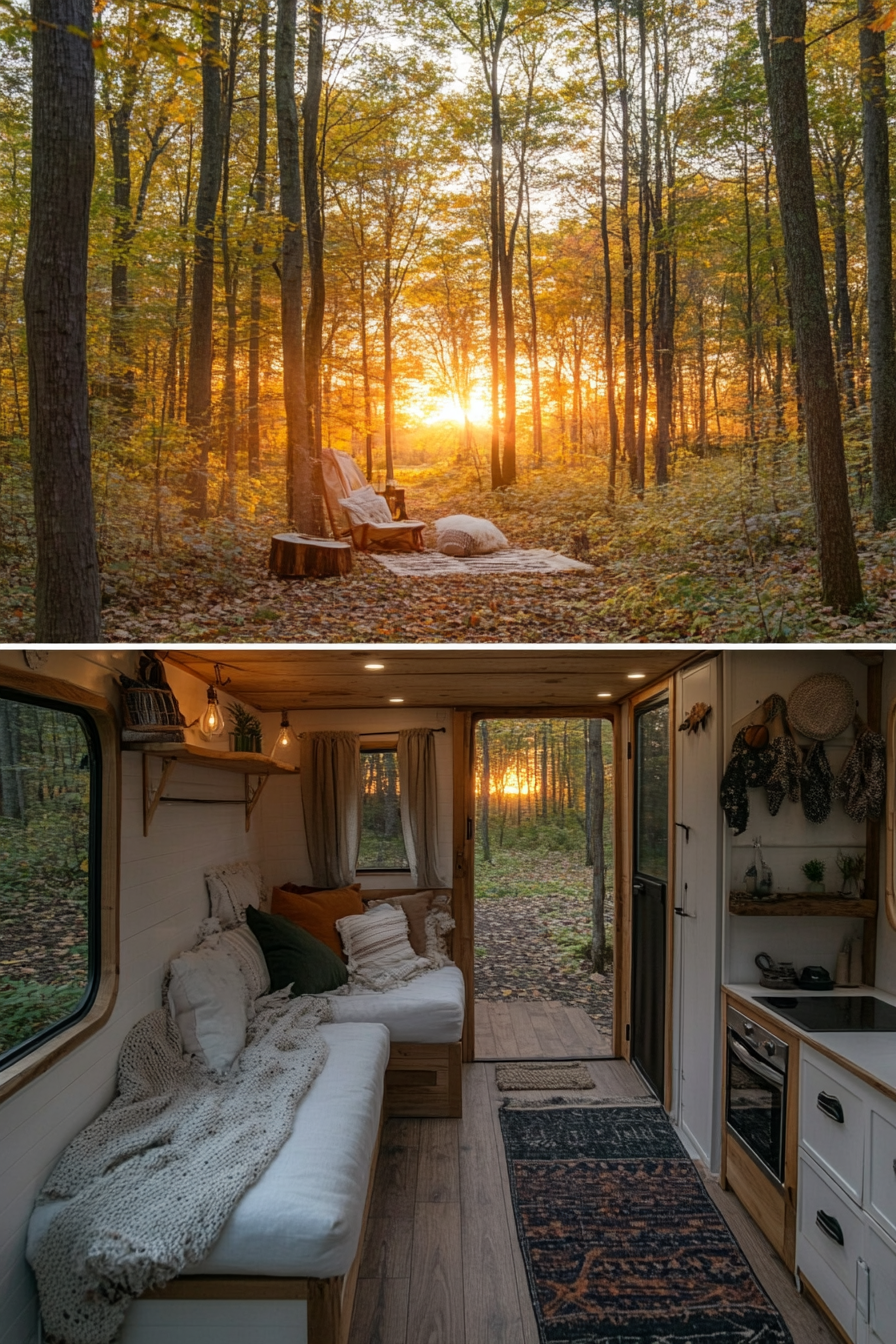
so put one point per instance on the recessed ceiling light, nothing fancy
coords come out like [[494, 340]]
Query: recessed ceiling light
[[605, 695], [374, 667], [396, 700], [636, 676]]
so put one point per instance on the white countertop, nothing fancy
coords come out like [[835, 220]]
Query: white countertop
[[869, 1053]]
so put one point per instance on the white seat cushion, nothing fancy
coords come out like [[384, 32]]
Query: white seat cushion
[[366, 506], [429, 1008], [303, 1216]]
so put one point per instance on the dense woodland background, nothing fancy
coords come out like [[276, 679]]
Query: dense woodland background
[[504, 242]]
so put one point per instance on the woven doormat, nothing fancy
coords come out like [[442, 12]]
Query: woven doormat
[[533, 1077]]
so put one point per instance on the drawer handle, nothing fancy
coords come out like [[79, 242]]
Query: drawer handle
[[830, 1106], [829, 1226]]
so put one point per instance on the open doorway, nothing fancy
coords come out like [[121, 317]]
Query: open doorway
[[543, 888]]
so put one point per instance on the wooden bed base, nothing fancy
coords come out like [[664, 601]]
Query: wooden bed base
[[424, 1080], [330, 1301]]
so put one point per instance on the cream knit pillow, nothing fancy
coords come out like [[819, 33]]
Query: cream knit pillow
[[231, 888]]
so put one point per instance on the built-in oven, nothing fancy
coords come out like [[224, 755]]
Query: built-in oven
[[756, 1092]]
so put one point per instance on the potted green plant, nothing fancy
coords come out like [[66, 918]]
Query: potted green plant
[[813, 871], [852, 869], [246, 732]]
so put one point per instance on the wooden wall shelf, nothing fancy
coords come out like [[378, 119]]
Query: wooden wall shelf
[[245, 763], [800, 903]]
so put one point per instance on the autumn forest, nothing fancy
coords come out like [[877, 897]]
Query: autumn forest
[[615, 275]]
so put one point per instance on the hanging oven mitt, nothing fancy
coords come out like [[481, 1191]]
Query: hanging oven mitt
[[816, 783], [862, 782]]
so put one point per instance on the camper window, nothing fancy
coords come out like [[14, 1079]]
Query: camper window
[[50, 809], [382, 841]]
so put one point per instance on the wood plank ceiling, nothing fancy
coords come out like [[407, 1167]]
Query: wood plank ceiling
[[273, 679]]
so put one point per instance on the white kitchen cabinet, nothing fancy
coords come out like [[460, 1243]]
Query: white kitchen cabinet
[[846, 1219], [833, 1119]]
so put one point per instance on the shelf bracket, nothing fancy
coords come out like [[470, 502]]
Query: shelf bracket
[[152, 799], [253, 795]]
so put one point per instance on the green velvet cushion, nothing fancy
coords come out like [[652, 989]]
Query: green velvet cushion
[[294, 956]]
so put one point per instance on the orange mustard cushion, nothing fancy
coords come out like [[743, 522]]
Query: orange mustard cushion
[[317, 911]]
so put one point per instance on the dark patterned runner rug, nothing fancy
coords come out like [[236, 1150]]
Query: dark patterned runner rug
[[622, 1243]]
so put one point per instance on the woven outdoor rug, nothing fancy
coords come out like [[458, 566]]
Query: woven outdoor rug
[[621, 1242], [433, 564], [531, 1077]]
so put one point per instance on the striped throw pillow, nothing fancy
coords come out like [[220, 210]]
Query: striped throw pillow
[[377, 940], [246, 951]]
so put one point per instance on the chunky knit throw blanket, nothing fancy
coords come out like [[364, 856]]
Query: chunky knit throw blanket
[[149, 1185]]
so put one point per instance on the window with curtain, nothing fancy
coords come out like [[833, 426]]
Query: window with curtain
[[382, 839]]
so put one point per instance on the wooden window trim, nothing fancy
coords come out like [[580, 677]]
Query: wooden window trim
[[18, 1074]]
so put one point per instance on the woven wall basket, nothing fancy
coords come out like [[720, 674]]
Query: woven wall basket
[[150, 709], [822, 707]]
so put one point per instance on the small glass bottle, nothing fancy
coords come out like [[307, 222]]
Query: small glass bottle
[[758, 877]]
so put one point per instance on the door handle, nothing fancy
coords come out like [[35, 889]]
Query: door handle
[[830, 1106], [638, 888], [829, 1226], [685, 914]]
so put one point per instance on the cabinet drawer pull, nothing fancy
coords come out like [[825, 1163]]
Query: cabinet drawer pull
[[829, 1226], [830, 1106]]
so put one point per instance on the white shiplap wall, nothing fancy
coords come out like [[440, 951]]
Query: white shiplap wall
[[285, 851], [162, 901]]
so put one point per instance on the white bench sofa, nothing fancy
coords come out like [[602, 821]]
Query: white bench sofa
[[283, 1270]]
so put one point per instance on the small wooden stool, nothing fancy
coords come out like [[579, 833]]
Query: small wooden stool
[[297, 556]]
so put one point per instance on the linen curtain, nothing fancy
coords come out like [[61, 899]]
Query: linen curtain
[[331, 805], [419, 804]]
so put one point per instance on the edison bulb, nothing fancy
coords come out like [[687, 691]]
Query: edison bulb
[[211, 724]]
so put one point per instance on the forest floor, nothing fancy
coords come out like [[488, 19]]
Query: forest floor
[[532, 933], [719, 554]]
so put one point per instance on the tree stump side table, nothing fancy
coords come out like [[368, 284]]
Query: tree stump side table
[[297, 556]]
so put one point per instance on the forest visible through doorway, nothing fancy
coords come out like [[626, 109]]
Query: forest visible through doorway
[[543, 930]]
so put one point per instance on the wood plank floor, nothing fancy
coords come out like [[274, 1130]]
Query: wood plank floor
[[519, 1029], [441, 1261]]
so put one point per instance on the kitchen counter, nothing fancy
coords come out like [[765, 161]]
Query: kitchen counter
[[869, 1054]]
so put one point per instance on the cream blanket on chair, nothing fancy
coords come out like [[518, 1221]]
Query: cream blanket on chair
[[149, 1185]]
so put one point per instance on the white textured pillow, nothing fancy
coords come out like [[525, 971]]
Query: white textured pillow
[[485, 537], [231, 888], [377, 940], [246, 951], [209, 1000], [366, 506]]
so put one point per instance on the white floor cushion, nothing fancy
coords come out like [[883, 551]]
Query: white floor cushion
[[428, 1009]]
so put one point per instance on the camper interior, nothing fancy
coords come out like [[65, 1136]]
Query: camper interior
[[383, 1201]]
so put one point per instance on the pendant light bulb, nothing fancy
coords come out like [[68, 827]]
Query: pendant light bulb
[[285, 737], [211, 724]]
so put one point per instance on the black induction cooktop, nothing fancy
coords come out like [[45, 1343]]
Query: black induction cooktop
[[852, 1012]]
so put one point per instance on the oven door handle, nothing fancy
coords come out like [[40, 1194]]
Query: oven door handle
[[762, 1070]]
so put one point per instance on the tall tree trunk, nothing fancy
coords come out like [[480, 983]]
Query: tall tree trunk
[[663, 230], [842, 301], [314, 221], [537, 426], [121, 363], [495, 276], [785, 63], [388, 389], [879, 249], [598, 894], [749, 313], [612, 418], [175, 376], [67, 582], [12, 776], [299, 503], [700, 306], [260, 197], [629, 440], [365, 368], [230, 270], [199, 374], [644, 256], [485, 793], [780, 420], [544, 770]]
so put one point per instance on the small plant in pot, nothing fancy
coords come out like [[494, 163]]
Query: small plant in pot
[[246, 732], [852, 872], [813, 871]]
